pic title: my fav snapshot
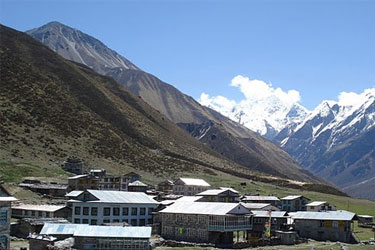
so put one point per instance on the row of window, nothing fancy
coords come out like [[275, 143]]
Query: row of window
[[133, 222], [115, 211], [34, 213]]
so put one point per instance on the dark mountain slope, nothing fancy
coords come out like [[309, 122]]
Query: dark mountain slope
[[245, 147]]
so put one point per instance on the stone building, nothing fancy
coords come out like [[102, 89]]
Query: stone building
[[74, 165], [327, 225], [273, 200], [165, 187], [318, 206], [220, 195], [5, 211], [83, 182], [137, 186], [189, 186], [262, 219], [205, 222], [294, 203]]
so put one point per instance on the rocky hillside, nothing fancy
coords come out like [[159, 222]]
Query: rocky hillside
[[245, 148]]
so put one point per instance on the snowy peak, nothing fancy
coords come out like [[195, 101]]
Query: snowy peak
[[77, 46]]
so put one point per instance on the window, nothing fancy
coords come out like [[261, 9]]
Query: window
[[48, 214], [321, 223], [85, 221], [40, 214], [142, 222], [107, 211], [85, 211], [133, 222], [77, 221], [149, 221], [116, 211], [134, 211], [125, 211], [116, 221], [125, 220], [94, 211], [335, 224], [142, 211], [106, 221], [94, 222], [150, 210], [77, 210]]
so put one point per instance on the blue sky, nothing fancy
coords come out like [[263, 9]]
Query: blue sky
[[319, 48]]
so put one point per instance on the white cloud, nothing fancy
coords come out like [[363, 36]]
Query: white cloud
[[262, 102]]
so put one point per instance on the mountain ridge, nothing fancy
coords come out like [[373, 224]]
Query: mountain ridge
[[183, 109]]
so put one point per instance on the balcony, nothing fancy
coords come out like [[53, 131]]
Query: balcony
[[230, 223]]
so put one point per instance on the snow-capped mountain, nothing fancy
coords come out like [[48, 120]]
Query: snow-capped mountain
[[337, 141]]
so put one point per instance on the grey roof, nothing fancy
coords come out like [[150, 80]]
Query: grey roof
[[59, 229], [113, 231], [216, 191], [47, 208], [316, 203], [74, 193], [78, 176], [326, 215], [107, 196], [256, 205], [189, 198], [293, 197], [8, 198], [206, 208], [137, 184], [82, 230], [194, 182], [274, 214], [365, 216], [260, 198]]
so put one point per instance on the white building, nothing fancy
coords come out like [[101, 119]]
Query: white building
[[189, 186], [320, 206], [5, 211], [96, 207]]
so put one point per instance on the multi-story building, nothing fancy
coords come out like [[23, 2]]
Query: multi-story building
[[74, 165], [318, 206], [97, 207], [165, 186], [293, 203], [205, 222], [220, 195], [137, 186], [128, 178], [109, 182], [263, 219], [189, 186], [5, 212], [328, 225], [83, 182], [273, 200]]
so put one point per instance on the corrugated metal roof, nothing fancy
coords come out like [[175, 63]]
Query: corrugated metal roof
[[365, 216], [113, 231], [326, 215], [121, 197], [206, 208], [274, 214], [60, 229], [316, 203], [8, 198], [83, 230], [293, 197], [74, 193], [189, 198], [216, 191], [254, 206], [47, 208], [194, 182], [77, 176], [138, 184], [260, 198]]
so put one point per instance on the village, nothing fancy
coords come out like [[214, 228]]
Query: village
[[103, 211]]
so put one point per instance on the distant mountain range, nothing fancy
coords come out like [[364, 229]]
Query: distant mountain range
[[226, 137], [335, 141]]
